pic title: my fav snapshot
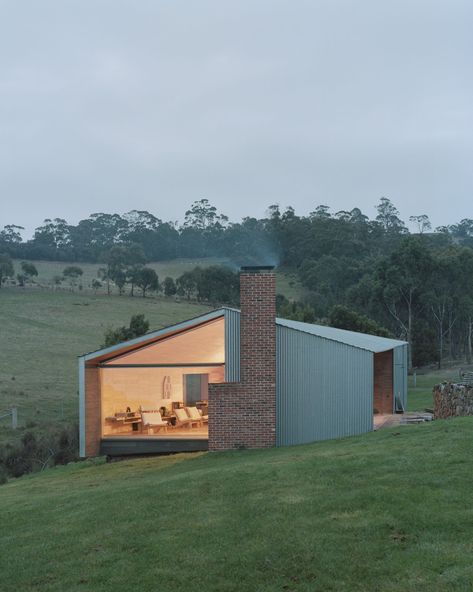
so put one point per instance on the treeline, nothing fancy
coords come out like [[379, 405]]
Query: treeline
[[416, 286], [282, 236]]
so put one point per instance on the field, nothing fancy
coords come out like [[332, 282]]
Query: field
[[287, 282], [47, 270], [387, 511], [43, 330], [42, 334]]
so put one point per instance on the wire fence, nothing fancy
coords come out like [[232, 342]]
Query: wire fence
[[13, 413]]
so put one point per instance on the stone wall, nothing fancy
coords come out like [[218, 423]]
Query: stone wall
[[452, 400]]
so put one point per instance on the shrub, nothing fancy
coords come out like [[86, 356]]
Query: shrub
[[35, 453]]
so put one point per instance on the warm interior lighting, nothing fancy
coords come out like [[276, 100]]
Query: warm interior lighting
[[161, 390]]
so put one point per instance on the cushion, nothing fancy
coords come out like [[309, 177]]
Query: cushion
[[193, 413], [152, 418], [181, 414]]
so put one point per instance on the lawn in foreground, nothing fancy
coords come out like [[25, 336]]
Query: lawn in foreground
[[387, 511]]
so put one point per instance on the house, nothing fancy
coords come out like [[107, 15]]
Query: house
[[237, 379]]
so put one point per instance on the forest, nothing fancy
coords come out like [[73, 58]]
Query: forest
[[364, 274]]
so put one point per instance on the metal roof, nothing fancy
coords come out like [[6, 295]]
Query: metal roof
[[371, 343]]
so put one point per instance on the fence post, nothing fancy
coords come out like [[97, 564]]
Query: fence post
[[14, 418]]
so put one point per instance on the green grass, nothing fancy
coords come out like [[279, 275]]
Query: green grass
[[42, 334], [387, 511], [420, 397], [48, 269], [46, 329], [287, 281]]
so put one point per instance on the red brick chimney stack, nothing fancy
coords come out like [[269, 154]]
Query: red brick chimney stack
[[243, 414], [257, 325]]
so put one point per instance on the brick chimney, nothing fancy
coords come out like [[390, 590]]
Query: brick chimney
[[243, 414]]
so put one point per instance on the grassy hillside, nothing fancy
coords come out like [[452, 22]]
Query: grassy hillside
[[287, 282], [43, 332], [387, 511], [48, 269]]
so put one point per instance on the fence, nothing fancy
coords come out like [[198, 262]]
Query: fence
[[13, 413]]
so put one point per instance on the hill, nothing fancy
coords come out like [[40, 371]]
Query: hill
[[44, 330], [288, 282], [386, 511]]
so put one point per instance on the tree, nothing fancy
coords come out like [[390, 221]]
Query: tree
[[402, 280], [422, 222], [11, 234], [187, 284], [53, 233], [104, 274], [120, 279], [138, 326], [294, 310], [122, 264], [342, 317], [169, 286], [147, 279], [29, 270], [441, 297], [6, 267], [217, 284], [72, 273], [202, 215], [96, 285], [321, 212], [388, 217]]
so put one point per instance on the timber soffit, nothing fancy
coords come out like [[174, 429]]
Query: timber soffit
[[148, 338]]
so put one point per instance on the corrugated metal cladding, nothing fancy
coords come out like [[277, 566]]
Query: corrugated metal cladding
[[324, 388], [232, 345], [400, 362]]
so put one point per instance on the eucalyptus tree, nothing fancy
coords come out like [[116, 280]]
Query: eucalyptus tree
[[402, 281], [147, 279]]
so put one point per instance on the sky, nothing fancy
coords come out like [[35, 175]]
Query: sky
[[114, 105]]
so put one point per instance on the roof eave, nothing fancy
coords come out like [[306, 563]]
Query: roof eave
[[152, 335]]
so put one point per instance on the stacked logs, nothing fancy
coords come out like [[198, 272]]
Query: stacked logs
[[452, 400]]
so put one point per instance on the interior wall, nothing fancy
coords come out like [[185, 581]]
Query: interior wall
[[204, 344], [135, 387]]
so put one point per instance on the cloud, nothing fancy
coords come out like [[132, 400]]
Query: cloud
[[118, 105]]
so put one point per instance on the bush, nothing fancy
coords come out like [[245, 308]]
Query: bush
[[35, 453], [138, 326]]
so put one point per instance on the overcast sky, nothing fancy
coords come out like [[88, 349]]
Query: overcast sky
[[109, 105]]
